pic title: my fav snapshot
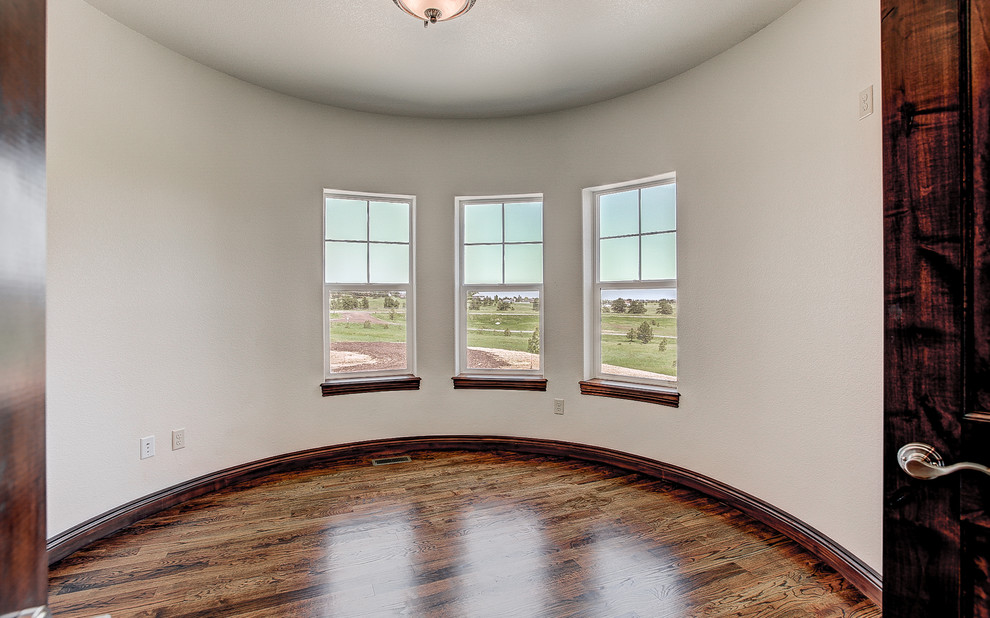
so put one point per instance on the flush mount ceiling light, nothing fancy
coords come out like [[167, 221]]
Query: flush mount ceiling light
[[432, 11]]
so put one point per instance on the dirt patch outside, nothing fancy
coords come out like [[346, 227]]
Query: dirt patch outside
[[493, 358], [347, 356], [635, 373]]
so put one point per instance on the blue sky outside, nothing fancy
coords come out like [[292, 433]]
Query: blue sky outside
[[346, 219], [483, 264], [659, 209], [618, 213], [346, 262], [524, 222], [389, 263], [482, 223], [389, 221]]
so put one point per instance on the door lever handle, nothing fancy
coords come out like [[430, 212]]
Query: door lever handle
[[922, 461]]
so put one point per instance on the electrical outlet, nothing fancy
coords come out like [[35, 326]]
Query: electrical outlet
[[866, 102], [558, 406], [178, 439], [147, 447]]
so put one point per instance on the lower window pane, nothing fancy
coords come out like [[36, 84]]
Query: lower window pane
[[367, 331], [483, 264], [346, 262], [639, 333], [388, 264], [503, 330], [619, 259], [524, 264]]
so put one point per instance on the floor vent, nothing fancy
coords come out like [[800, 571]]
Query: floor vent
[[390, 460]]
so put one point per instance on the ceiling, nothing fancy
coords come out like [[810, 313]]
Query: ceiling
[[503, 58]]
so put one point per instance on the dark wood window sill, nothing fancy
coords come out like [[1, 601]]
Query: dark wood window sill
[[630, 390], [508, 383], [349, 386]]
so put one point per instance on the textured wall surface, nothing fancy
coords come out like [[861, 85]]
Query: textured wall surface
[[184, 266]]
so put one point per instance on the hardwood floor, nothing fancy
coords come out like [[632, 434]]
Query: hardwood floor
[[451, 534]]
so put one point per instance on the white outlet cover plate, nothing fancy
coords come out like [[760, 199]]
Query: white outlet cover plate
[[147, 447], [866, 101]]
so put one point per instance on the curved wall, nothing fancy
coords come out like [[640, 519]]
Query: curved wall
[[184, 266]]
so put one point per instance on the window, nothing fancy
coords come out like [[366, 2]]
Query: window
[[368, 300], [500, 292], [631, 290]]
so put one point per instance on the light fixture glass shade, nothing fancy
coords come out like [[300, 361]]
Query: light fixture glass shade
[[449, 9]]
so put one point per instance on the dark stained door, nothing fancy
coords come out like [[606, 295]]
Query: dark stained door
[[23, 566], [936, 102]]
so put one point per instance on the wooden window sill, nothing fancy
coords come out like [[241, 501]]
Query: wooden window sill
[[647, 393], [509, 383], [349, 386]]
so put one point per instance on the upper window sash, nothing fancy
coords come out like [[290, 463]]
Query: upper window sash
[[501, 240], [367, 239], [635, 232]]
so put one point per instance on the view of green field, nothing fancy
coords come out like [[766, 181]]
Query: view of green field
[[508, 325], [371, 323], [644, 341], [367, 332], [344, 327]]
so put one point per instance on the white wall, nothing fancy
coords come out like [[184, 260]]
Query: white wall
[[184, 266]]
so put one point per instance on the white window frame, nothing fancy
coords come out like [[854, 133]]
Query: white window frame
[[460, 292], [593, 286], [408, 288]]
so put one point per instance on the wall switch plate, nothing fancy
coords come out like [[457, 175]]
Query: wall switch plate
[[866, 102], [558, 406], [178, 439], [147, 447]]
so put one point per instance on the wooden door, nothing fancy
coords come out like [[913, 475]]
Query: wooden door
[[23, 565], [936, 106]]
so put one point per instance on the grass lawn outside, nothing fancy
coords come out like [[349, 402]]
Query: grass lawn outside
[[486, 327], [486, 330], [619, 323], [619, 351], [515, 341], [351, 331], [500, 321]]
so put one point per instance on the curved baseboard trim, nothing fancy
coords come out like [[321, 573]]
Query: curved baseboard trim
[[858, 573]]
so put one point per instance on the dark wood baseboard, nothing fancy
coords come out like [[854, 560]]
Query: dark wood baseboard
[[859, 574]]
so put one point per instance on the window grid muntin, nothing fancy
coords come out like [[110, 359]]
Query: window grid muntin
[[462, 287], [408, 287], [639, 283]]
